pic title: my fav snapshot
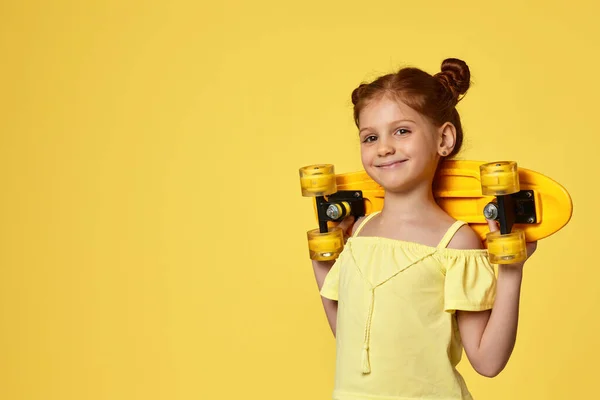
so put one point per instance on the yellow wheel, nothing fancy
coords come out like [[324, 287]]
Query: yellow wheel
[[325, 246], [317, 180], [499, 178], [507, 249]]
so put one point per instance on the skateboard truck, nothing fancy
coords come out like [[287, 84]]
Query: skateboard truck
[[338, 206], [515, 208], [319, 181], [501, 179]]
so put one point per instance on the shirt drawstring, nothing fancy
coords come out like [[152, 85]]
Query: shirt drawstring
[[366, 366]]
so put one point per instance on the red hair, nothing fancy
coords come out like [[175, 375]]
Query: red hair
[[432, 96]]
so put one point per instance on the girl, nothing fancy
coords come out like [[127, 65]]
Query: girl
[[413, 287]]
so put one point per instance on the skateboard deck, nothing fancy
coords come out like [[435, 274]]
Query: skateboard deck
[[458, 191]]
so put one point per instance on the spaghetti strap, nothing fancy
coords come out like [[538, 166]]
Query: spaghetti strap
[[450, 233], [362, 224]]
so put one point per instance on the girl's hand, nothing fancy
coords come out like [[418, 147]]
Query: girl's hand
[[531, 246], [346, 224]]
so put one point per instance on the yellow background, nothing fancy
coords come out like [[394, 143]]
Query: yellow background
[[152, 228]]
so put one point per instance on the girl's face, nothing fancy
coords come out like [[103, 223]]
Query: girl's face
[[400, 148]]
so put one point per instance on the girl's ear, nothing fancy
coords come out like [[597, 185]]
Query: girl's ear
[[446, 139]]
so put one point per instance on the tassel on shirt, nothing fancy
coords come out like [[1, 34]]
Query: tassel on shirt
[[365, 360], [366, 365]]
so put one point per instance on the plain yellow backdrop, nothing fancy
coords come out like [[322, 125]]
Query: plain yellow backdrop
[[152, 230]]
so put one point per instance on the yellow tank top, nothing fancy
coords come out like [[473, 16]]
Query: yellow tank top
[[397, 337]]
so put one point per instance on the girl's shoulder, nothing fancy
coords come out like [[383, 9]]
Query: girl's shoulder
[[465, 238]]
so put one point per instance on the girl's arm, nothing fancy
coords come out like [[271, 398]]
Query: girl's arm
[[489, 336], [321, 269]]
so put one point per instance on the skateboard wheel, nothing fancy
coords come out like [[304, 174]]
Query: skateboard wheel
[[499, 178], [317, 180], [325, 246], [507, 249]]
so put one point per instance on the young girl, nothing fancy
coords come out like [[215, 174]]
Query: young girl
[[413, 287]]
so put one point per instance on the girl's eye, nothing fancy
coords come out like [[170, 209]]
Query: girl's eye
[[370, 139], [402, 131]]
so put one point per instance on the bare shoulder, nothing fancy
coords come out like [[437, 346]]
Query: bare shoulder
[[465, 239]]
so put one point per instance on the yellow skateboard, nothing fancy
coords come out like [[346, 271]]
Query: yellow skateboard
[[528, 205]]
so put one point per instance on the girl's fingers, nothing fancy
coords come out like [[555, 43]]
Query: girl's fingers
[[345, 226], [493, 225], [346, 223]]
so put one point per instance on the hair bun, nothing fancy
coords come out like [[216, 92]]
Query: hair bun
[[357, 92], [455, 76]]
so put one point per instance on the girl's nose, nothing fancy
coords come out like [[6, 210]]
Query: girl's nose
[[384, 148]]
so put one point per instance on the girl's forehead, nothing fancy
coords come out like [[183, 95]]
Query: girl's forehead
[[384, 109]]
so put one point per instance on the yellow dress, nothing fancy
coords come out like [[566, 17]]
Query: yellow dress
[[397, 337]]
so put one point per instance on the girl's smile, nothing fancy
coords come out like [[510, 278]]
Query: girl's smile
[[391, 164]]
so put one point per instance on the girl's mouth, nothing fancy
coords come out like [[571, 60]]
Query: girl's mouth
[[392, 164]]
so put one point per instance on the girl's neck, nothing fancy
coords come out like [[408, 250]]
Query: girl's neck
[[409, 206]]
